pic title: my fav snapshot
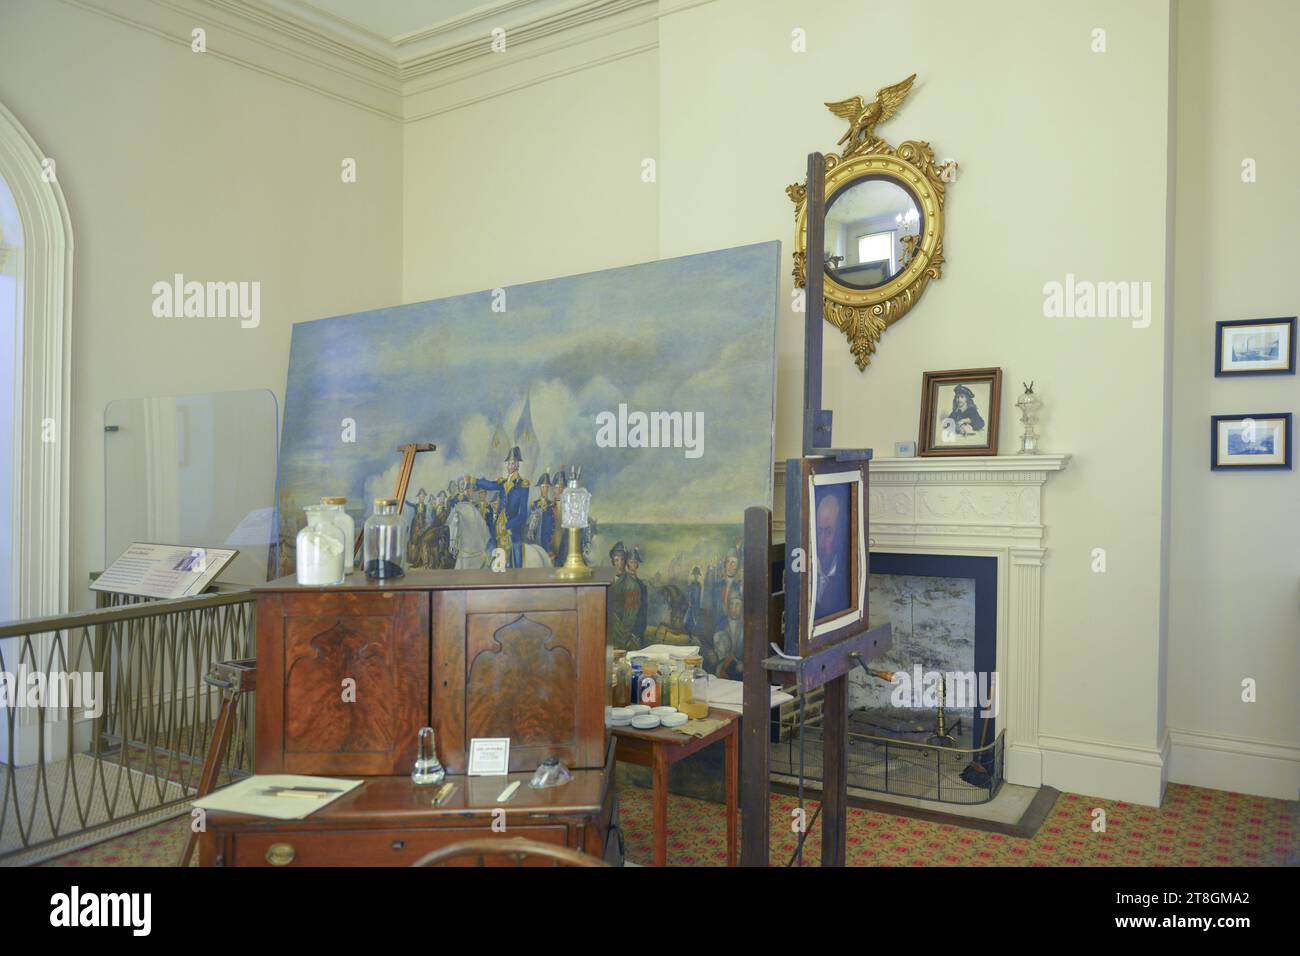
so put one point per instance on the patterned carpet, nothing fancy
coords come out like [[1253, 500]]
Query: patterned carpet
[[1195, 827]]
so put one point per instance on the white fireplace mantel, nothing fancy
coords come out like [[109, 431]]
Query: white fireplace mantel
[[989, 506]]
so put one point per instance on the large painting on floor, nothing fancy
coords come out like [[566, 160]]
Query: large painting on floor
[[658, 380]]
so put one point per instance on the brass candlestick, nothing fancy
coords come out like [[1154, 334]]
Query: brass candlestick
[[574, 566]]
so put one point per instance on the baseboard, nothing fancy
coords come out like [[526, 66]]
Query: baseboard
[[1100, 768], [1236, 764]]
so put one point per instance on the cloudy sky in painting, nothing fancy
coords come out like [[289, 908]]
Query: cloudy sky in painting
[[695, 334]]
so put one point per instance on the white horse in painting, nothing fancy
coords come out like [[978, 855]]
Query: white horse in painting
[[468, 534]]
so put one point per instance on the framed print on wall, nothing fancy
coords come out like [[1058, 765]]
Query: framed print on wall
[[1255, 347], [959, 412], [1239, 442], [826, 520]]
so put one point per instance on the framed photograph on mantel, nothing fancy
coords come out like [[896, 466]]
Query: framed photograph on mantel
[[1255, 347], [959, 412], [1246, 442]]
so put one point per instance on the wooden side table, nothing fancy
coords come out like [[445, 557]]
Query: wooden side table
[[660, 748]]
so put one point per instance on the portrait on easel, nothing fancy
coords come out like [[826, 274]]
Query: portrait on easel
[[831, 559]]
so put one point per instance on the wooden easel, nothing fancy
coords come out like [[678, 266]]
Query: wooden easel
[[409, 451], [828, 667], [234, 678]]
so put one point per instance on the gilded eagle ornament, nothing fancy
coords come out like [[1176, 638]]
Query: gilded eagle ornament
[[864, 116]]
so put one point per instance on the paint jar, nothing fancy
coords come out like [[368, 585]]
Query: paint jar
[[695, 689], [337, 507], [652, 685], [621, 680], [384, 542], [319, 554]]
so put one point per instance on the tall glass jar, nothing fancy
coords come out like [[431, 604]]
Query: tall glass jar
[[696, 679], [651, 685], [320, 546], [337, 507], [622, 680], [384, 547]]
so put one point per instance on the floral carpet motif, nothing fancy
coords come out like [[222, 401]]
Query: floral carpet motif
[[1194, 827]]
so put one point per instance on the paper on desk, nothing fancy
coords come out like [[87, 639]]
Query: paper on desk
[[250, 796], [728, 695]]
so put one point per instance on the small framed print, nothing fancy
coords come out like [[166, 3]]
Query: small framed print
[[959, 412], [489, 757], [1255, 347], [1241, 442]]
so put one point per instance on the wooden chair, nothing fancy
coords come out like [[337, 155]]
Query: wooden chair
[[516, 850]]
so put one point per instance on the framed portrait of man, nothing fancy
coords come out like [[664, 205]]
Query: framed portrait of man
[[959, 412], [827, 554]]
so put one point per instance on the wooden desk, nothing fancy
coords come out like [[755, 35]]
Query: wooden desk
[[660, 748], [389, 821]]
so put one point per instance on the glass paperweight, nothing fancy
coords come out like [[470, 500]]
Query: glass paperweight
[[550, 773], [427, 768]]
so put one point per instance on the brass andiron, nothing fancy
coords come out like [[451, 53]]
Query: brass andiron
[[941, 735]]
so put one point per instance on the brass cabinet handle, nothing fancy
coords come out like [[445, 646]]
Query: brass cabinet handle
[[280, 854]]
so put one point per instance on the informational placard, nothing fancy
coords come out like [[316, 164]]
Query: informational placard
[[163, 570], [489, 756]]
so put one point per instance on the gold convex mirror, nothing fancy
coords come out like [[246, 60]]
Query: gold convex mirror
[[883, 232]]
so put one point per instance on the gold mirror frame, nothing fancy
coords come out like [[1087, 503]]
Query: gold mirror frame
[[864, 314]]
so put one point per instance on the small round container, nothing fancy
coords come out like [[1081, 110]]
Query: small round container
[[639, 709], [645, 722], [621, 713], [615, 722], [675, 719], [662, 711]]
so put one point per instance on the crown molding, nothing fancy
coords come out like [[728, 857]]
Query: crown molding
[[409, 76]]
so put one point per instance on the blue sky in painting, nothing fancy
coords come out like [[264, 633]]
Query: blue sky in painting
[[694, 334]]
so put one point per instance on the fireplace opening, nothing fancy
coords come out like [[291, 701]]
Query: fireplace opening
[[921, 720]]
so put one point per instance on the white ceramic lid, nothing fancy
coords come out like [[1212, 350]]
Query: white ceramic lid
[[673, 719], [660, 711], [645, 722]]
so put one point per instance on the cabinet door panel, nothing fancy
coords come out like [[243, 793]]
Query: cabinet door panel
[[522, 677], [355, 683]]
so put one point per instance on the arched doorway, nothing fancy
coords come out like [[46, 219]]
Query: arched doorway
[[37, 377]]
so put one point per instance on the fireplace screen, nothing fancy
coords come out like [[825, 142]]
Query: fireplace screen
[[936, 766]]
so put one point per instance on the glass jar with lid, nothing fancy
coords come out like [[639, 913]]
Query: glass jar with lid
[[337, 506], [651, 685], [622, 680], [319, 554], [695, 681], [384, 544]]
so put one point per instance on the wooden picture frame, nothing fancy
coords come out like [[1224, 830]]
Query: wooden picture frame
[[1228, 363], [979, 391], [1266, 429], [826, 494]]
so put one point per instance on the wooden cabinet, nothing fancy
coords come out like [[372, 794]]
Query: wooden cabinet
[[347, 676]]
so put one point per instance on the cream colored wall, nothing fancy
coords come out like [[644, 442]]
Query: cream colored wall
[[1063, 169], [538, 182], [173, 161], [1235, 555]]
